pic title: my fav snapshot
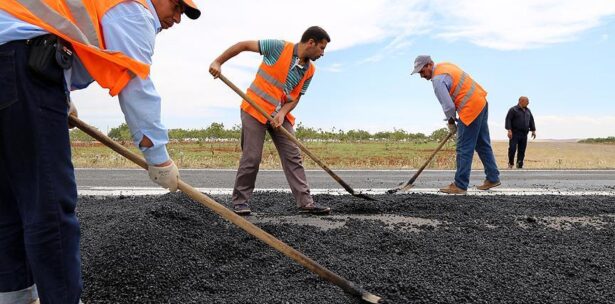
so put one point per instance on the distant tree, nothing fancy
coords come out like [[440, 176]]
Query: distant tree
[[303, 132], [235, 132], [120, 133], [217, 131], [605, 140], [439, 135], [78, 135]]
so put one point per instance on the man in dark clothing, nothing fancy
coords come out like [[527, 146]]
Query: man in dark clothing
[[519, 121]]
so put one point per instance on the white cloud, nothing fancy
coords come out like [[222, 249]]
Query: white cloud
[[333, 68], [520, 24]]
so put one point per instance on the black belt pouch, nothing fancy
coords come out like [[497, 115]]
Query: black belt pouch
[[49, 56]]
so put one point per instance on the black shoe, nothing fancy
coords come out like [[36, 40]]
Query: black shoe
[[315, 209], [242, 209]]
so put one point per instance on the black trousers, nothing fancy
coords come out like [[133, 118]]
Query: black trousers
[[518, 140], [39, 231]]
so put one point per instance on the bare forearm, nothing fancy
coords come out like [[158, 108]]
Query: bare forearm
[[289, 106], [236, 49], [215, 69]]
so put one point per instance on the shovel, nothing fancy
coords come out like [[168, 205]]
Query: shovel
[[229, 215], [296, 141], [409, 184]]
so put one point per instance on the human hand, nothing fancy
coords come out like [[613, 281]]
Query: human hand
[[72, 110], [509, 134], [452, 127], [533, 135], [165, 175], [278, 120], [215, 69]]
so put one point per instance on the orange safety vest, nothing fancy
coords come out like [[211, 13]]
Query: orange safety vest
[[469, 97], [267, 89], [79, 22]]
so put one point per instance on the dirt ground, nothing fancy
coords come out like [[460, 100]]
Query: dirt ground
[[404, 248]]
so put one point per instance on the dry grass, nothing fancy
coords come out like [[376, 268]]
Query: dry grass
[[368, 155], [560, 155]]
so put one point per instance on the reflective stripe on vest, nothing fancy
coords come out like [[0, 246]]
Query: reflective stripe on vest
[[467, 96], [270, 79], [458, 88], [44, 12], [83, 20], [262, 94], [459, 85]]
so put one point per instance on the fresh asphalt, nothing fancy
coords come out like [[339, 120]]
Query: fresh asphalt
[[110, 181], [408, 248]]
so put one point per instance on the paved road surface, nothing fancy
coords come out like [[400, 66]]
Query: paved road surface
[[128, 181]]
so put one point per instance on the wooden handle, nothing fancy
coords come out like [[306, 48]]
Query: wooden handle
[[229, 215], [416, 175]]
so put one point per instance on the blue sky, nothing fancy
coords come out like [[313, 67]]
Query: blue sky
[[558, 53]]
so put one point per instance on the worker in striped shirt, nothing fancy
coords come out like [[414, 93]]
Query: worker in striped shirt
[[282, 78]]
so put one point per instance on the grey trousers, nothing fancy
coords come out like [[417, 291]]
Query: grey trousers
[[252, 140]]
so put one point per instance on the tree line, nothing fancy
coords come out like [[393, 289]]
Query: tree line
[[605, 140], [217, 131]]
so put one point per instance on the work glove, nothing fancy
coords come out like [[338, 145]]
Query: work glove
[[452, 127], [166, 176], [72, 110]]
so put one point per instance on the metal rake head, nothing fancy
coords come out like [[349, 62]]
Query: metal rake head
[[403, 187]]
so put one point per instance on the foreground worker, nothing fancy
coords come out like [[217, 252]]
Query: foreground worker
[[48, 48], [458, 92], [519, 122], [281, 80]]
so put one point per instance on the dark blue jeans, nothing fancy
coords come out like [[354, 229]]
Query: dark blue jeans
[[39, 231], [518, 140], [475, 137]]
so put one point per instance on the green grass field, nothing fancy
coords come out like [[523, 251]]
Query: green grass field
[[357, 155]]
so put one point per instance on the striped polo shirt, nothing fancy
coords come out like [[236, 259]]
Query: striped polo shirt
[[271, 49]]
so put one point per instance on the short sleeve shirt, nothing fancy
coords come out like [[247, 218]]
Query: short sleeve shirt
[[271, 49]]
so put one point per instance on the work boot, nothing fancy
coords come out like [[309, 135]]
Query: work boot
[[242, 209], [519, 166], [313, 208], [452, 189], [488, 185]]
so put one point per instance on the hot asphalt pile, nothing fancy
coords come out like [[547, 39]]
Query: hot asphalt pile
[[462, 249]]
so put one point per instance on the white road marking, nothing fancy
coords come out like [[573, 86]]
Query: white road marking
[[371, 170], [139, 191]]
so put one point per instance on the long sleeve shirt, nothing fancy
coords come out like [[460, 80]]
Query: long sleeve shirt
[[131, 29], [519, 119], [442, 85]]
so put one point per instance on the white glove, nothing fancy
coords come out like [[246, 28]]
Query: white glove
[[166, 176], [452, 127]]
